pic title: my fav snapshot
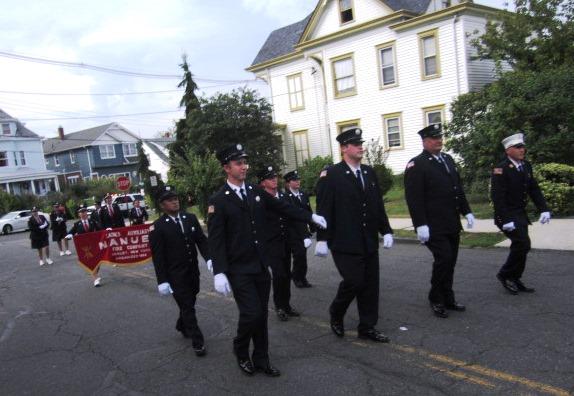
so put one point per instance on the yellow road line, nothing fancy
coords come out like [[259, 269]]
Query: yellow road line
[[456, 363]]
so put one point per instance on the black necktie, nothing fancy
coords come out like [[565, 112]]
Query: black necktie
[[243, 196], [520, 168], [360, 177], [442, 161], [180, 225]]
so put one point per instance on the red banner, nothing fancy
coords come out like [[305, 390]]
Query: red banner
[[121, 246]]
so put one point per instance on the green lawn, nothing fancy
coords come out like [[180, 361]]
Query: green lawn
[[467, 239]]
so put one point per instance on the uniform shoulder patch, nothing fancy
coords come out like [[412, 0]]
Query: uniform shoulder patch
[[211, 209], [497, 171], [410, 164]]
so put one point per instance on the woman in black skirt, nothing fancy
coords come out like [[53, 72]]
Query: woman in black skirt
[[38, 225], [58, 219]]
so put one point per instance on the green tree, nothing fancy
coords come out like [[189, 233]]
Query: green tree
[[536, 96]]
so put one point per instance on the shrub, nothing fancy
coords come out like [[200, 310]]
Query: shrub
[[310, 170], [375, 156], [7, 202], [557, 184]]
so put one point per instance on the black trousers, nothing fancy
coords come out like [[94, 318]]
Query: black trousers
[[514, 266], [281, 269], [251, 293], [444, 249], [299, 253], [360, 275], [185, 295]]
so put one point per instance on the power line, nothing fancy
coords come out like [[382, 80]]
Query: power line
[[90, 94], [103, 69], [101, 116]]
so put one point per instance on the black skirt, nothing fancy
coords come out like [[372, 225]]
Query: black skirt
[[59, 233], [41, 242]]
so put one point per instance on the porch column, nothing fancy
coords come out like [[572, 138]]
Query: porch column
[[33, 187], [56, 183]]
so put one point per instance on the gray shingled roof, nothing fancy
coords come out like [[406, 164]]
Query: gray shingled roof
[[282, 41], [74, 140], [21, 130], [153, 146]]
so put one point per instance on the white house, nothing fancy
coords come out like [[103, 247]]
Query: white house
[[390, 67], [22, 165]]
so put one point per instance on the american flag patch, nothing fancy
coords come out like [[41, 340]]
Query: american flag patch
[[410, 164], [497, 171], [211, 209]]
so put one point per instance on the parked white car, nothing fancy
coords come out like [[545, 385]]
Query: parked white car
[[17, 221], [126, 202]]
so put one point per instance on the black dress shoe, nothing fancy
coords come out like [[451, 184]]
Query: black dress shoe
[[246, 366], [291, 312], [306, 283], [268, 370], [200, 350], [338, 329], [439, 310], [508, 284], [455, 307], [282, 315], [373, 335], [299, 284], [522, 287]]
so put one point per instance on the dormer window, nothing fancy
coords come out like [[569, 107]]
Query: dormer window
[[346, 11], [6, 129]]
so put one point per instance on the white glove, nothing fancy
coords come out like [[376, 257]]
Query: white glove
[[69, 236], [307, 242], [209, 265], [321, 249], [164, 289], [544, 217], [221, 284], [44, 226], [108, 229], [508, 227], [388, 241], [319, 220], [469, 221], [423, 233]]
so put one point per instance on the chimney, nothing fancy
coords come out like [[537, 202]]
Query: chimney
[[61, 132]]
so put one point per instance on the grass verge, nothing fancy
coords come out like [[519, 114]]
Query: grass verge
[[467, 239]]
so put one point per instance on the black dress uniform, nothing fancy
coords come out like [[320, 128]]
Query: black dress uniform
[[114, 219], [174, 253], [138, 215], [510, 189], [298, 231], [239, 248], [38, 236], [80, 227], [355, 215], [435, 197], [58, 225]]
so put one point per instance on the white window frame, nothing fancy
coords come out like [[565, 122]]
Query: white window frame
[[295, 89], [4, 158], [23, 158], [341, 11], [72, 179], [349, 91], [301, 153], [56, 160], [385, 47], [72, 157], [433, 110], [386, 118], [106, 151], [424, 56], [127, 153]]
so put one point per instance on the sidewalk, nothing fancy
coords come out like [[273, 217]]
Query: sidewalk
[[557, 235]]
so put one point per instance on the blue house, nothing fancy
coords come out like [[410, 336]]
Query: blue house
[[104, 151]]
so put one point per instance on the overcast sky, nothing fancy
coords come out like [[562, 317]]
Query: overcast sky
[[220, 37]]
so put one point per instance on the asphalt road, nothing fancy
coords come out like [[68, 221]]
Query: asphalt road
[[61, 336]]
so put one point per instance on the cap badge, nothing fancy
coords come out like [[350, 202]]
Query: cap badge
[[357, 131], [239, 147], [269, 168]]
